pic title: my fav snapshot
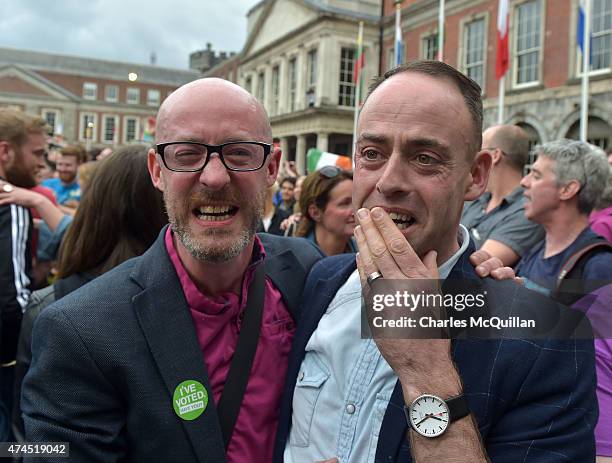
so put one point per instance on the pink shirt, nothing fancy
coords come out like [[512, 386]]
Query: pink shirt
[[217, 322], [601, 223]]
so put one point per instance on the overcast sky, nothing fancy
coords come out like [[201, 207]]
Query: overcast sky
[[125, 30]]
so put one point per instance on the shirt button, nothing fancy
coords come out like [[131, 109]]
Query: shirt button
[[350, 409], [301, 375]]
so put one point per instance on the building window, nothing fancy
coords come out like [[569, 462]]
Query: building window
[[430, 47], [133, 95], [346, 93], [111, 93], [261, 86], [153, 97], [87, 127], [312, 68], [474, 46], [90, 90], [130, 129], [248, 84], [602, 34], [527, 43], [109, 129], [275, 89], [52, 116], [292, 83]]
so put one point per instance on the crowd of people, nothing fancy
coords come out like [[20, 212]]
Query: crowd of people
[[198, 299]]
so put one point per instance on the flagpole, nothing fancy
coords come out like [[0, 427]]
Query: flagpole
[[441, 31], [502, 57], [500, 104], [357, 88], [586, 67]]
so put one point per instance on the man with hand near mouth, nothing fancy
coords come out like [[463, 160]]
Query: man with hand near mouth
[[418, 157], [181, 354]]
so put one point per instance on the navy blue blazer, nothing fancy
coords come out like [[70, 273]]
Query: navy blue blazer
[[533, 400]]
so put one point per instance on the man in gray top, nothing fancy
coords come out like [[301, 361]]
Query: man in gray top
[[496, 220]]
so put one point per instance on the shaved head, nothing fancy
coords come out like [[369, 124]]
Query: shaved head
[[214, 212], [216, 96]]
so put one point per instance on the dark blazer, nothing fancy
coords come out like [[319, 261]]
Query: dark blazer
[[108, 357], [533, 400]]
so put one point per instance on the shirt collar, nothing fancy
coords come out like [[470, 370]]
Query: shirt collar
[[463, 238], [212, 305]]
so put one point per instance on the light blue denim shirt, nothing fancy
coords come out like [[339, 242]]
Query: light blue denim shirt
[[344, 384]]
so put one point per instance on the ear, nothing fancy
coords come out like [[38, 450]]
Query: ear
[[273, 166], [496, 156], [155, 169], [478, 176], [570, 190], [6, 153], [315, 213]]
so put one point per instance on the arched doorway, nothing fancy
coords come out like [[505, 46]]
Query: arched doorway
[[599, 132]]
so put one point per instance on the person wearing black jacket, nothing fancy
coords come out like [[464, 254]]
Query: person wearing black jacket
[[22, 149]]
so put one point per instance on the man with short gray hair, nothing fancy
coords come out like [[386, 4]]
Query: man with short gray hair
[[496, 220], [572, 261]]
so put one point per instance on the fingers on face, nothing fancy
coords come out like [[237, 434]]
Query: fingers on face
[[365, 263], [389, 248]]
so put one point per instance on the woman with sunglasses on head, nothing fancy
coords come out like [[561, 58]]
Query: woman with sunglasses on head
[[327, 212]]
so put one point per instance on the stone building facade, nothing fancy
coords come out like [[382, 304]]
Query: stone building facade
[[298, 60], [542, 86], [94, 102]]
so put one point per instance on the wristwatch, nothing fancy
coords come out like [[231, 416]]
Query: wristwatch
[[430, 416]]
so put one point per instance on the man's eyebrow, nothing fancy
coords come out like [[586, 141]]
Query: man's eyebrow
[[372, 137], [421, 142]]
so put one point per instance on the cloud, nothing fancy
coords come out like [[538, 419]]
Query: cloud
[[125, 30]]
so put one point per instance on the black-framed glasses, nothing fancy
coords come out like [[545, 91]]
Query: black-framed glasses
[[190, 156]]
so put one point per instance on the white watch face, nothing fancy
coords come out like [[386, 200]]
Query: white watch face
[[429, 415]]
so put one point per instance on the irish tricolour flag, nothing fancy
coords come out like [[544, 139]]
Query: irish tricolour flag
[[318, 159]]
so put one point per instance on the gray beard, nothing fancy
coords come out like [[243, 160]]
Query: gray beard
[[211, 255]]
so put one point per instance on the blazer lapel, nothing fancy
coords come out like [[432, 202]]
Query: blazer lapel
[[280, 268], [163, 314]]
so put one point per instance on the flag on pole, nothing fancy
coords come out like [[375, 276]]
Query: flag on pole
[[399, 43], [580, 28], [317, 159], [584, 42], [502, 61]]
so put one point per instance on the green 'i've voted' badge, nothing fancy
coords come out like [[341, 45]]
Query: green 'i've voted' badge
[[190, 399]]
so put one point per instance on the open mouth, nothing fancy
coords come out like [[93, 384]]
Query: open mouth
[[215, 213], [402, 221]]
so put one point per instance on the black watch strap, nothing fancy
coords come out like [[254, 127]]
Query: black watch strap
[[457, 407]]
